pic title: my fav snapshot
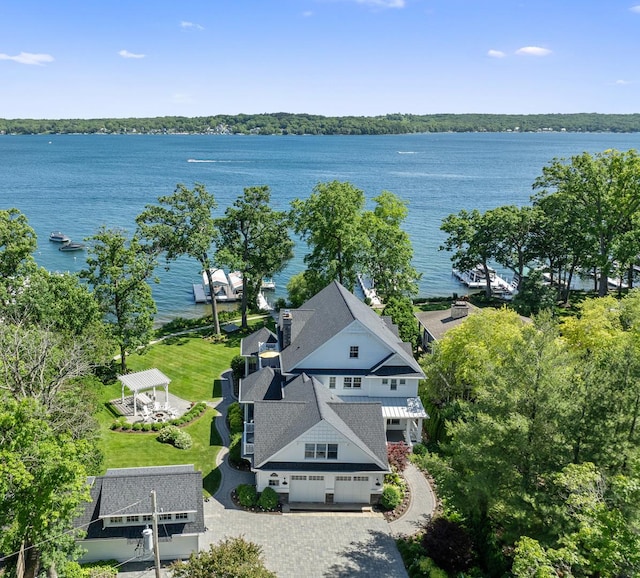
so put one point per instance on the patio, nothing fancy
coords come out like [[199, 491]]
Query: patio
[[125, 408]]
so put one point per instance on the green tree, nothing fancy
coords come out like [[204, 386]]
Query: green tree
[[401, 312], [42, 487], [471, 237], [118, 270], [254, 239], [17, 243], [182, 224], [605, 189], [298, 289], [329, 221], [389, 253], [232, 557]]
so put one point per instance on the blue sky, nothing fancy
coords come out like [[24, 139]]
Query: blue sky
[[137, 58]]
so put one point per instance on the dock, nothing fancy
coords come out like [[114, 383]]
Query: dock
[[369, 292]]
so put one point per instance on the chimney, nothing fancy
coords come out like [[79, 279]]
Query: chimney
[[459, 309], [286, 328]]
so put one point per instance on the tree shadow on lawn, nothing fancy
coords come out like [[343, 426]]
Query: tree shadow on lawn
[[211, 482], [176, 340], [376, 556]]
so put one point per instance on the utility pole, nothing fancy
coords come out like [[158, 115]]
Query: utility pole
[[156, 549]]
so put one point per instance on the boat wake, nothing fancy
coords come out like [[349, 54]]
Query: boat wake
[[407, 152]]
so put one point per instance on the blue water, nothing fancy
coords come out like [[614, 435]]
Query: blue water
[[75, 183]]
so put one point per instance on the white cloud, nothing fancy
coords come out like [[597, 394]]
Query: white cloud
[[622, 82], [29, 58], [496, 53], [635, 8], [383, 3], [182, 98], [307, 14], [127, 54], [185, 24], [533, 51]]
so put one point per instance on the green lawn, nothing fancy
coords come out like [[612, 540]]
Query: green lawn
[[194, 365]]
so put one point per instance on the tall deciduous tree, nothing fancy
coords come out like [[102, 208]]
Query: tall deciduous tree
[[119, 270], [471, 237], [329, 220], [605, 188], [389, 253], [254, 239], [42, 486], [17, 243], [182, 224]]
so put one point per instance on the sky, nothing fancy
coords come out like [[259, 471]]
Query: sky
[[145, 58]]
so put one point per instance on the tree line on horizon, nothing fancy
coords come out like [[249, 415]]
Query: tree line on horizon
[[282, 123]]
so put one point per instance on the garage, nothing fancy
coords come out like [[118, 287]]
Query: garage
[[352, 489], [307, 489]]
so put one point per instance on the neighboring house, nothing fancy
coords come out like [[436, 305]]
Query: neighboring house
[[120, 509], [325, 396], [434, 324]]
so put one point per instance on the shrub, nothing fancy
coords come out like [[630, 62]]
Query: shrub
[[391, 497], [398, 455], [395, 479], [247, 495], [125, 426], [168, 434], [449, 545], [137, 426], [420, 449], [156, 426], [146, 427], [235, 418], [268, 499], [183, 440], [237, 367]]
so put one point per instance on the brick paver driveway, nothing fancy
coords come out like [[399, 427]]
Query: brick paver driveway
[[312, 545]]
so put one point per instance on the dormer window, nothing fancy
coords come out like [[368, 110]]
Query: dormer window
[[354, 351]]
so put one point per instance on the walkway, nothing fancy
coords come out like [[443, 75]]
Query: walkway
[[421, 508]]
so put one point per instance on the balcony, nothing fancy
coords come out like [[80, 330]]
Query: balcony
[[247, 439]]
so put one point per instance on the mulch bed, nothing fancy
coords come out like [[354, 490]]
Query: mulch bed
[[255, 509], [399, 511]]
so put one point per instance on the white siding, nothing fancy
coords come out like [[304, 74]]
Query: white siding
[[119, 548]]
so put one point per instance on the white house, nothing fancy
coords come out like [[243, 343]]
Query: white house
[[120, 509], [337, 355]]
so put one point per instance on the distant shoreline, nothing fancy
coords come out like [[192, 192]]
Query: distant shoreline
[[285, 124]]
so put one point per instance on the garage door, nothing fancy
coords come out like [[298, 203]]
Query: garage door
[[352, 489], [307, 489]]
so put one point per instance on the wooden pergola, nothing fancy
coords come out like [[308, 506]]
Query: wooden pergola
[[143, 381]]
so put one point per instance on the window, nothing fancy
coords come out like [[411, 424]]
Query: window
[[332, 382], [131, 519], [354, 350], [116, 519], [274, 482], [348, 382], [147, 518], [394, 384], [343, 478], [403, 381], [164, 517], [385, 381], [321, 451], [393, 421], [182, 516], [357, 382], [360, 478]]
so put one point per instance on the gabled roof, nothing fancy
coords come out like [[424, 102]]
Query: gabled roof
[[250, 344], [259, 385], [437, 323], [306, 403], [325, 315], [126, 492]]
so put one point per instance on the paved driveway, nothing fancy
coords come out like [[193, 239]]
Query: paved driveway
[[312, 545]]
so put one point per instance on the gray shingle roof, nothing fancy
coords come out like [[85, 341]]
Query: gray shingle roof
[[306, 403], [249, 344], [325, 315], [126, 492], [260, 385], [437, 323]]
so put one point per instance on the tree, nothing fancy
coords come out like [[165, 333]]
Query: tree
[[329, 220], [298, 289], [119, 270], [254, 239], [604, 188], [232, 557], [472, 238], [182, 224], [17, 243], [388, 255], [401, 312], [43, 484]]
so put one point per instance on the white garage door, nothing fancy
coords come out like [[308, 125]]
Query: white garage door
[[307, 489], [352, 489]]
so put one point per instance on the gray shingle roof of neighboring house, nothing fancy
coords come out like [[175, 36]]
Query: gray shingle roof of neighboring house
[[260, 385], [306, 403], [437, 323], [126, 492], [249, 345], [325, 315]]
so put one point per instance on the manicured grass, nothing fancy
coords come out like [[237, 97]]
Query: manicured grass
[[194, 364]]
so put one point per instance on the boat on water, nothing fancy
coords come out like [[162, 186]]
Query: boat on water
[[268, 284], [226, 286], [58, 237], [71, 246], [476, 279]]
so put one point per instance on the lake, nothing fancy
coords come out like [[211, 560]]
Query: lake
[[76, 183]]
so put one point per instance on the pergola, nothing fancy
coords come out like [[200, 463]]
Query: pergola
[[142, 381]]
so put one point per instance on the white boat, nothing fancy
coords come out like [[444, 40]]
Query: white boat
[[226, 286], [476, 279], [58, 237], [71, 246], [268, 284]]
